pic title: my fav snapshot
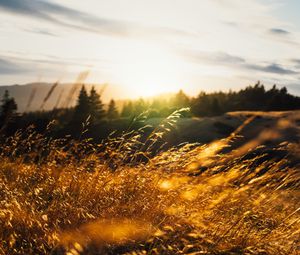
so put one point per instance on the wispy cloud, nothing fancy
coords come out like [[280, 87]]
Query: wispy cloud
[[215, 58], [279, 31], [271, 68], [234, 62], [74, 19], [9, 67], [40, 32], [58, 15], [27, 68], [296, 62], [19, 64]]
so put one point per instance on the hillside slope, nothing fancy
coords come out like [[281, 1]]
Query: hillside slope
[[196, 199], [262, 127]]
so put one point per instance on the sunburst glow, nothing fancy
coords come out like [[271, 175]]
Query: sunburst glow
[[147, 70]]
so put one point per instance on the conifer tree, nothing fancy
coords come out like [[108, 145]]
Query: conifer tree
[[112, 112], [127, 110], [82, 108], [215, 107], [8, 109], [181, 100], [139, 107], [97, 111]]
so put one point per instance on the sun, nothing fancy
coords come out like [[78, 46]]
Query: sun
[[148, 70]]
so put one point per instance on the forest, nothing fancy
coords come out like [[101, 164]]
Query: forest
[[106, 118]]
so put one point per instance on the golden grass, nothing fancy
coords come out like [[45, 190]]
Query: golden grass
[[67, 197]]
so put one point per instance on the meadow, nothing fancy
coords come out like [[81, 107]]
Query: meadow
[[64, 196]]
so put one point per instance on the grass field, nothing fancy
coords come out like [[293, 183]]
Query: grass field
[[230, 196]]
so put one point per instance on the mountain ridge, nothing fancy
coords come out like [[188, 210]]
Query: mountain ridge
[[32, 96]]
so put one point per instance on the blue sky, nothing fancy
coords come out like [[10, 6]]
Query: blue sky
[[289, 11], [145, 47]]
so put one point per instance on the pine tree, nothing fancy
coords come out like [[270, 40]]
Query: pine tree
[[181, 100], [82, 108], [215, 107], [127, 110], [97, 111], [8, 109], [139, 107], [112, 112]]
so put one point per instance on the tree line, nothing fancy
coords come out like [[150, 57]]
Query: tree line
[[90, 107], [251, 98]]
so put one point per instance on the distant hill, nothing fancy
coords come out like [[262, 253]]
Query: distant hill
[[30, 97], [262, 128]]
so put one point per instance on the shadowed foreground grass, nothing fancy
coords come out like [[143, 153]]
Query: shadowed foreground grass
[[64, 198]]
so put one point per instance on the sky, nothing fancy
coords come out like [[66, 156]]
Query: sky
[[147, 47]]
